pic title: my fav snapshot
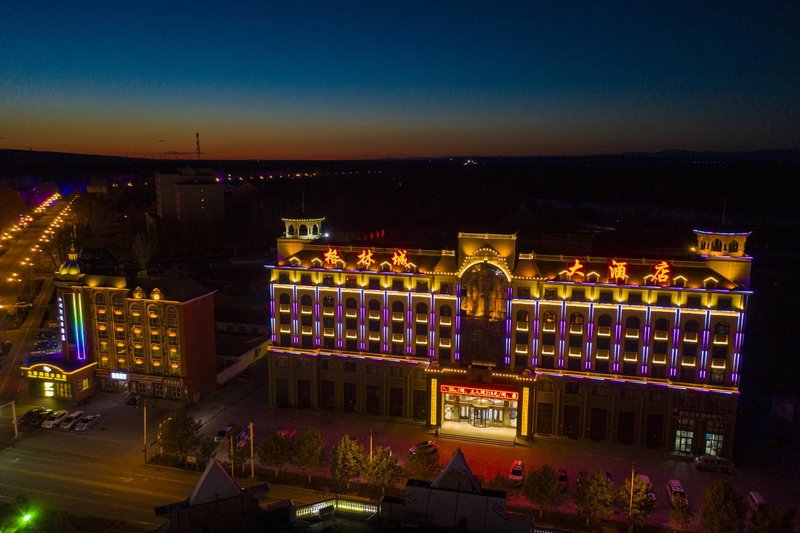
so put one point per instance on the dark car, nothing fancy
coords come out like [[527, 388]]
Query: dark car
[[427, 447], [26, 418], [563, 480], [87, 422], [133, 399], [37, 419]]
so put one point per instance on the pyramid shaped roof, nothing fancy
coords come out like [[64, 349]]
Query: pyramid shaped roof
[[214, 484], [457, 476]]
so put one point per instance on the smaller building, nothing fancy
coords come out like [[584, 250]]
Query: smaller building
[[56, 377], [191, 194], [455, 499]]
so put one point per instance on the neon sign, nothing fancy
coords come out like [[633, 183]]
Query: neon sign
[[332, 256], [119, 375], [42, 374], [617, 270], [400, 258], [482, 393], [365, 259], [576, 269], [661, 272]]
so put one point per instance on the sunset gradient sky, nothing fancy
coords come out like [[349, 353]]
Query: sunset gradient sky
[[343, 79]]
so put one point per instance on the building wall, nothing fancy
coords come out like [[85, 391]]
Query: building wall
[[199, 355]]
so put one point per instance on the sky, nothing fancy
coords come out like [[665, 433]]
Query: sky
[[340, 79]]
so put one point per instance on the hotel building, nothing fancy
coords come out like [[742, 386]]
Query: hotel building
[[154, 337], [639, 351]]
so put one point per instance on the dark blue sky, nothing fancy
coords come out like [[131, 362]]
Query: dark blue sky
[[371, 79]]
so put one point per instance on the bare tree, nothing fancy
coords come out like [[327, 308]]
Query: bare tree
[[142, 250]]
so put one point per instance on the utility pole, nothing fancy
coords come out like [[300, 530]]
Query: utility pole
[[13, 405], [370, 446], [144, 404], [230, 438], [630, 505], [252, 466]]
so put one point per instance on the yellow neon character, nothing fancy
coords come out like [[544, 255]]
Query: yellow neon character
[[661, 272], [400, 258], [577, 268], [365, 259], [618, 270], [332, 256]]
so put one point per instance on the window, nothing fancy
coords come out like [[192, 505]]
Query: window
[[351, 282], [599, 391], [523, 316], [305, 300], [374, 347], [444, 332], [305, 279], [656, 397], [327, 280], [524, 293], [374, 283], [351, 323], [549, 317], [446, 288], [551, 294], [721, 328], [632, 322], [691, 327], [348, 366], [663, 299], [175, 393], [606, 297], [627, 394], [281, 361], [374, 325], [284, 299], [283, 277], [578, 295], [545, 386], [635, 298], [372, 370], [571, 388], [397, 285], [422, 329], [724, 304], [324, 364], [446, 310], [422, 308], [717, 377], [576, 319], [374, 305], [328, 302], [684, 435], [350, 303], [395, 371], [303, 363], [604, 321], [693, 301], [397, 306], [422, 286]]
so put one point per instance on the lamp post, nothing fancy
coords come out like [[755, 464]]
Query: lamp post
[[630, 505]]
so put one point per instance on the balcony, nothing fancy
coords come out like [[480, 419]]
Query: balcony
[[631, 333], [397, 337], [350, 334], [661, 335], [373, 336], [604, 331], [630, 357], [523, 325], [350, 313], [421, 339], [306, 330], [374, 315], [305, 309], [659, 358], [397, 316], [718, 364], [576, 329], [422, 318], [283, 308], [574, 352], [688, 360], [690, 337], [327, 332], [602, 355], [445, 343], [720, 339], [285, 328], [548, 350], [521, 348], [445, 320]]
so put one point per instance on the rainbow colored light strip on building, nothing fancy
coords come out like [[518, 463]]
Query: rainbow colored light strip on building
[[78, 327]]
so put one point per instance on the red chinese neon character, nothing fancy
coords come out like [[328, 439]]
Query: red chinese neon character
[[618, 270], [365, 259], [577, 268], [400, 258], [661, 272], [332, 257]]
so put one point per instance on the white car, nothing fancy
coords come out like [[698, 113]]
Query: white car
[[517, 473], [55, 419], [71, 420]]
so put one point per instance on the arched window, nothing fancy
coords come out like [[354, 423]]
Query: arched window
[[576, 318], [523, 316], [446, 310], [303, 230], [721, 328], [549, 317], [305, 300], [291, 230], [172, 317], [374, 305], [604, 321], [733, 246], [397, 306], [716, 246], [632, 322], [422, 308], [662, 324], [284, 299], [327, 301], [100, 298], [350, 303], [691, 327], [314, 230]]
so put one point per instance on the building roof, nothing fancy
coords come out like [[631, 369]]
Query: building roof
[[457, 476], [214, 484], [178, 290]]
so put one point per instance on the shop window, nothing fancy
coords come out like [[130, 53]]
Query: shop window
[[684, 434]]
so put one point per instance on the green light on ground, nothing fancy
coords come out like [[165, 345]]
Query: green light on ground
[[26, 518]]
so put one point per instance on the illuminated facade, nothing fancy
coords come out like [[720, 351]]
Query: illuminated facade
[[642, 351], [156, 338]]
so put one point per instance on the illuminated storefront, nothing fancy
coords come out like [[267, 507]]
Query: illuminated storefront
[[46, 380], [479, 407]]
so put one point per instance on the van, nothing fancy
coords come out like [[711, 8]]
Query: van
[[675, 492], [714, 463], [755, 501]]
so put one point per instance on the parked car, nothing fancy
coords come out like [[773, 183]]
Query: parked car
[[26, 418], [427, 447], [562, 479], [676, 493], [37, 418], [756, 501], [54, 419], [715, 463], [223, 434], [87, 422], [71, 420], [517, 473], [133, 398]]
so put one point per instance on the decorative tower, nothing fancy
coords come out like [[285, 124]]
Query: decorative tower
[[725, 254], [297, 233]]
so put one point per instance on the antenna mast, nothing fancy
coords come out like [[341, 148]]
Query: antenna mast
[[197, 137]]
